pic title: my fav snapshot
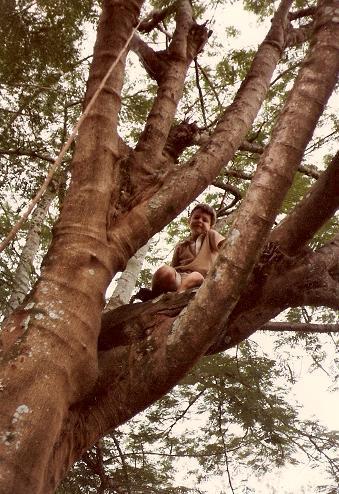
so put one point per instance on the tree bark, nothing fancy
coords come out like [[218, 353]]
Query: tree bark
[[140, 334], [52, 373], [311, 213], [55, 361], [301, 327], [272, 288]]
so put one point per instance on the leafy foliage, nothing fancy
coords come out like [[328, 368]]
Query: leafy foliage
[[228, 411], [41, 39]]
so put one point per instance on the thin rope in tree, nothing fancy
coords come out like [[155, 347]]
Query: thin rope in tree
[[201, 97], [64, 149]]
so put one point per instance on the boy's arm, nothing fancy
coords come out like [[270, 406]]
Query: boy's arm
[[216, 239], [175, 258]]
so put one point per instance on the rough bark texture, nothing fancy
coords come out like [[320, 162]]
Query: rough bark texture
[[311, 213], [52, 375], [55, 362]]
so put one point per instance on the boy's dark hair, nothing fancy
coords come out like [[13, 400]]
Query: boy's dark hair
[[206, 209]]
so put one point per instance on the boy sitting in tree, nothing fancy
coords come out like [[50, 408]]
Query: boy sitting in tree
[[193, 257]]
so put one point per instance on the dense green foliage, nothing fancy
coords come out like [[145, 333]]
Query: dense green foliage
[[231, 413]]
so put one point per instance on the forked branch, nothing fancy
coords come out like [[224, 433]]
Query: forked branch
[[299, 227], [155, 18]]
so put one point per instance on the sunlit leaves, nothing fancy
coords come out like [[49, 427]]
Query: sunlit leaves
[[266, 7]]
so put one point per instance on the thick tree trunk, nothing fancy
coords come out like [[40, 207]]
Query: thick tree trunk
[[55, 362]]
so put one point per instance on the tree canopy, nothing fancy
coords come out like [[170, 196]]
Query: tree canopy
[[184, 113]]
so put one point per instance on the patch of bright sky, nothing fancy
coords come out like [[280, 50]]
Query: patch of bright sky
[[311, 392], [251, 32]]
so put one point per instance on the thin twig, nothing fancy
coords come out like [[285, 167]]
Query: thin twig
[[123, 463], [224, 443], [204, 73], [31, 154], [183, 413], [201, 97]]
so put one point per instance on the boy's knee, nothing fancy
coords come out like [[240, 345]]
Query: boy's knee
[[192, 280], [164, 273], [164, 279], [197, 277]]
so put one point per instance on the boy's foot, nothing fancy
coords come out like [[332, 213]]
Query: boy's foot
[[144, 294]]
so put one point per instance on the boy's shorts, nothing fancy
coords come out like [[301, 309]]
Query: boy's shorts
[[179, 276]]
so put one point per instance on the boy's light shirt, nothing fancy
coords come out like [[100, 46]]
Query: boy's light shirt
[[198, 243]]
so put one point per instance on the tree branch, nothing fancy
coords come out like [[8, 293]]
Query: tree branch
[[182, 414], [300, 327], [304, 169], [298, 14], [123, 463], [155, 63], [31, 154], [95, 462], [281, 74], [26, 101], [204, 73], [232, 190], [299, 227], [284, 282], [179, 55], [280, 159], [222, 435], [204, 166], [201, 97], [252, 147], [155, 18], [137, 330], [298, 36], [179, 138], [309, 170]]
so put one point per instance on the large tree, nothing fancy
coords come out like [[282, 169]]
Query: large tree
[[70, 373]]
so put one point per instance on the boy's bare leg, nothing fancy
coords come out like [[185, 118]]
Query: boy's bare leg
[[164, 280], [190, 281]]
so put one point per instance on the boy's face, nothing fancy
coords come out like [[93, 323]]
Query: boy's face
[[199, 222]]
